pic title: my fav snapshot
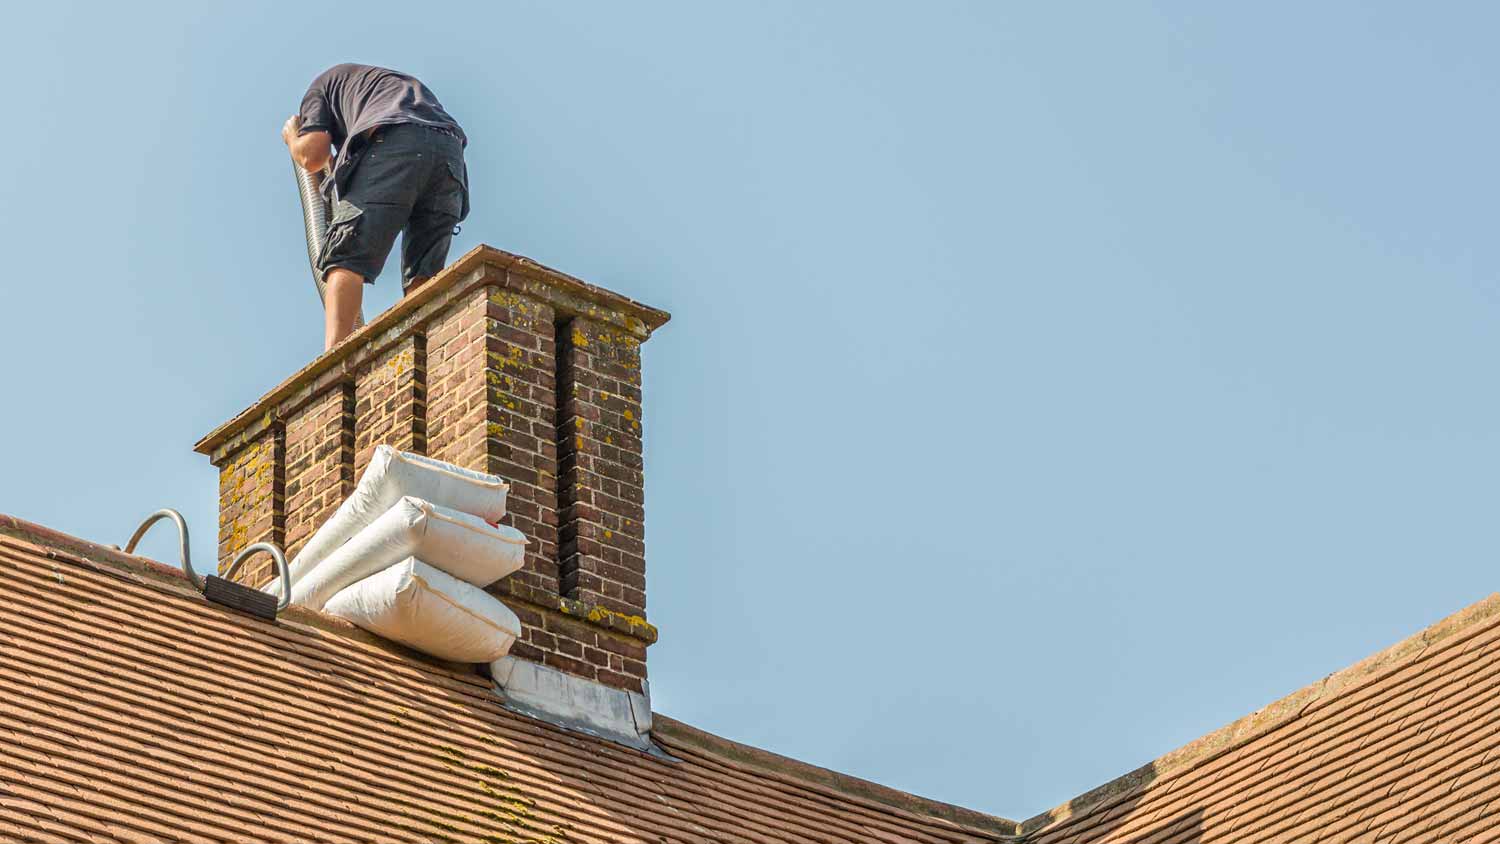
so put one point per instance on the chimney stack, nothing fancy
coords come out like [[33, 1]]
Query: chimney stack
[[497, 364]]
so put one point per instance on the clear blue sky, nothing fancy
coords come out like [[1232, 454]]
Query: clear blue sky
[[1047, 386]]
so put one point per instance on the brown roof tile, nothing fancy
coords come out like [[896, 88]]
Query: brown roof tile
[[133, 710], [1403, 746]]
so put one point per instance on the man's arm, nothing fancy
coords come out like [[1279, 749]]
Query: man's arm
[[312, 150]]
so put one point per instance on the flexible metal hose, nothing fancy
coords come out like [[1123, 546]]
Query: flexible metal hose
[[315, 219]]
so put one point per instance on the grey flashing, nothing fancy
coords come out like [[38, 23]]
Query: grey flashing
[[574, 703]]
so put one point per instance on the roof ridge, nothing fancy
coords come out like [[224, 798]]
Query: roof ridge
[[1439, 636], [824, 780]]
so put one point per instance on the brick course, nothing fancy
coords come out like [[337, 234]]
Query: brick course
[[519, 395], [603, 554], [319, 463], [252, 504], [390, 395], [496, 365]]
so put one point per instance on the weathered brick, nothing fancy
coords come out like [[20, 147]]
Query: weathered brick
[[624, 647], [526, 651], [576, 667], [320, 463], [533, 377], [618, 680], [251, 502], [477, 420], [390, 396], [601, 486]]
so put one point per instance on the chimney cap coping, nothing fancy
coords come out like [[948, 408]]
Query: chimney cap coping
[[481, 265]]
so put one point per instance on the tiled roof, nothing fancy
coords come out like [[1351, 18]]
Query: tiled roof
[[133, 710], [1401, 747]]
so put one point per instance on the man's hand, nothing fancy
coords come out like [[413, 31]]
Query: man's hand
[[311, 151], [289, 129]]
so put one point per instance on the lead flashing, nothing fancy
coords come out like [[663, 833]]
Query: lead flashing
[[574, 703]]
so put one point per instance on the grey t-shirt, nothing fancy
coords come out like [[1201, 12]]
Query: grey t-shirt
[[348, 100]]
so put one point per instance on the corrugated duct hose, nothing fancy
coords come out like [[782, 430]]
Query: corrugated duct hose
[[315, 218]]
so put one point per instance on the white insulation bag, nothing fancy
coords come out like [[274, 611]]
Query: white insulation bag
[[391, 475], [430, 611], [457, 543]]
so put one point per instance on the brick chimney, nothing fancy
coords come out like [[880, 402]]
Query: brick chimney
[[497, 364]]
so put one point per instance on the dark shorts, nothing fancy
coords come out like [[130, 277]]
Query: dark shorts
[[406, 178]]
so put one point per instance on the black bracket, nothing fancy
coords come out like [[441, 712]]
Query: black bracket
[[222, 590], [240, 597]]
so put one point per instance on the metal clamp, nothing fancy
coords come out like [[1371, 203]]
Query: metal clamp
[[283, 573]]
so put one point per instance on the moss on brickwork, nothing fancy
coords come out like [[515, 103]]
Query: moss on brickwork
[[246, 487], [607, 617], [514, 358], [512, 301], [401, 363]]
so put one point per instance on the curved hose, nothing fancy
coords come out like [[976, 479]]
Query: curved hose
[[182, 535], [281, 569], [315, 219], [187, 560]]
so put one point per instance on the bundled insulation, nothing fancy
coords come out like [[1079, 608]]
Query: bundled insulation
[[433, 612], [391, 475], [457, 543]]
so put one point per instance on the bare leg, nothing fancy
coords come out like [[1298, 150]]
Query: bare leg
[[342, 294]]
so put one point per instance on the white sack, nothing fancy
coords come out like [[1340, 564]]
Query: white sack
[[457, 543], [391, 475], [435, 613]]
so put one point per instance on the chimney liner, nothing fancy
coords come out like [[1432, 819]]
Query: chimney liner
[[315, 217]]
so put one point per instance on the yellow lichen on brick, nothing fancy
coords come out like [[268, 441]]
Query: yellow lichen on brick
[[514, 358], [602, 615], [401, 363], [506, 299]]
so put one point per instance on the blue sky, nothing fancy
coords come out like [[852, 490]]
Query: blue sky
[[1048, 384]]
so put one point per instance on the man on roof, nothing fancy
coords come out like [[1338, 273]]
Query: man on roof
[[399, 168]]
